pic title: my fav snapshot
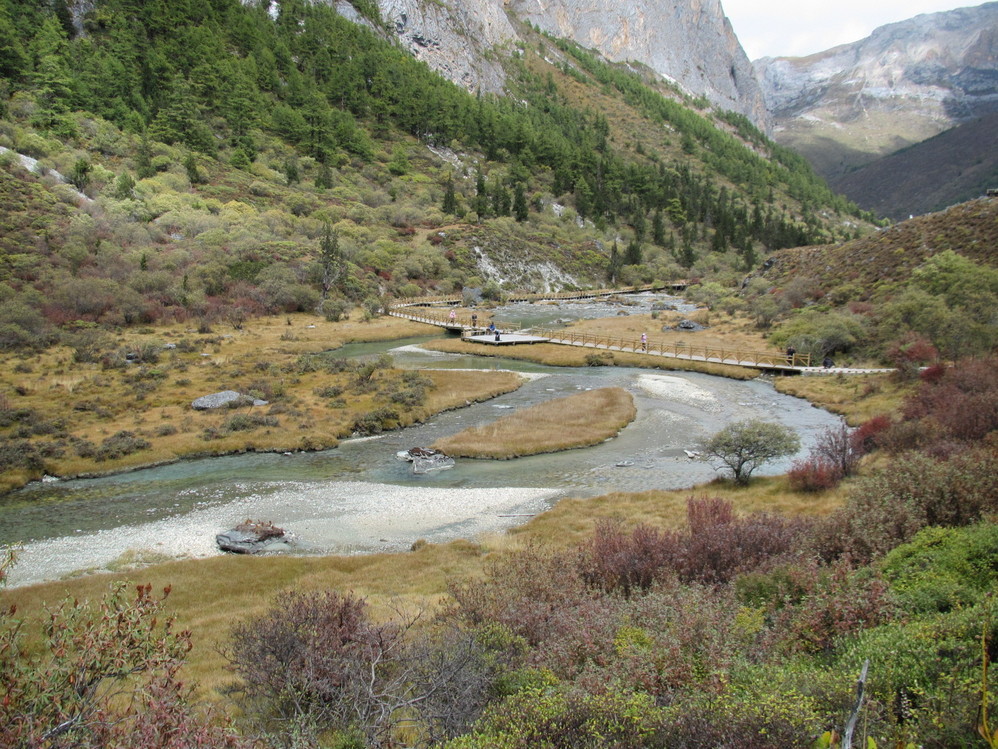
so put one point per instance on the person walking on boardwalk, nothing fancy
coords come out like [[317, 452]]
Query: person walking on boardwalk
[[453, 314], [644, 341]]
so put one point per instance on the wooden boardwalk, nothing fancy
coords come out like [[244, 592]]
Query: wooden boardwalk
[[472, 327]]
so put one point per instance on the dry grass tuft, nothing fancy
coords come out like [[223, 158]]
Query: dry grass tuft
[[560, 424]]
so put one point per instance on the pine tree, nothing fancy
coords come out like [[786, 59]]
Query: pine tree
[[658, 229], [614, 266], [633, 254], [519, 203], [450, 198], [331, 260], [324, 179], [481, 197]]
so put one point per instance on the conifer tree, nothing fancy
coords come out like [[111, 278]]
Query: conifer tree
[[324, 179], [450, 198], [481, 197], [519, 203], [331, 260]]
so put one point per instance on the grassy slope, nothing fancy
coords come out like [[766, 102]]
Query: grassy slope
[[878, 264]]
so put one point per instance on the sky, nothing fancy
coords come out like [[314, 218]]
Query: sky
[[794, 28]]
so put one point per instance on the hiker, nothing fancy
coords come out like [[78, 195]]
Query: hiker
[[827, 362], [644, 341], [791, 353], [474, 320], [453, 314], [492, 327], [497, 331]]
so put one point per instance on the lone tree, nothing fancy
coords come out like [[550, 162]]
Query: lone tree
[[745, 445]]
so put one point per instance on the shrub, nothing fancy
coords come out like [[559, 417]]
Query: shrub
[[119, 445], [376, 421], [814, 475], [103, 675], [315, 663], [713, 548], [941, 569], [561, 719], [867, 434], [912, 492], [248, 422]]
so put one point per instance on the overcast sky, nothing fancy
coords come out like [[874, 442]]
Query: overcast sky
[[773, 28]]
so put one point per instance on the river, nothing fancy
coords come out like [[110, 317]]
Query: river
[[358, 498]]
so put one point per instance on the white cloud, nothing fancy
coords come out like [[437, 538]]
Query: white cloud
[[770, 28]]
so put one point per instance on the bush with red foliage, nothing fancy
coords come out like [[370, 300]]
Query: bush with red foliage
[[713, 548], [914, 491], [963, 402], [814, 474], [867, 434], [932, 374], [837, 601]]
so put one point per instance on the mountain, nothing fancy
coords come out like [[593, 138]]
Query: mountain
[[954, 166], [906, 82], [688, 42]]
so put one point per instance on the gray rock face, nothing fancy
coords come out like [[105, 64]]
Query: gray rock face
[[906, 82], [689, 42]]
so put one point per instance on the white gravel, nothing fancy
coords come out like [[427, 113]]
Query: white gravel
[[328, 517], [679, 390]]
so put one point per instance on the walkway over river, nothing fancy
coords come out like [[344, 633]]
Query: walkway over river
[[464, 321]]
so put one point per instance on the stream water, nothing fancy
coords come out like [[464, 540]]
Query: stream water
[[359, 498]]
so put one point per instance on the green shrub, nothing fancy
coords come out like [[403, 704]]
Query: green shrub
[[944, 568]]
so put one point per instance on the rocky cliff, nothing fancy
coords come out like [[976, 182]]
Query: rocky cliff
[[906, 82], [687, 41]]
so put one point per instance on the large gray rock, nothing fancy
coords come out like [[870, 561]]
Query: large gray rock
[[426, 459], [222, 399], [252, 537]]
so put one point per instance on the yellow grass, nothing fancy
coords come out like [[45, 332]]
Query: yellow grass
[[856, 397], [563, 423]]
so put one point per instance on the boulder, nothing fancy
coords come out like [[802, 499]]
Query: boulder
[[222, 399], [426, 459], [252, 537]]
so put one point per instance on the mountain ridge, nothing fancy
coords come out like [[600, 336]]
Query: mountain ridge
[[906, 82]]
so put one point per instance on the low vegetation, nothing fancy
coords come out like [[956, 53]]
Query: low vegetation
[[560, 424]]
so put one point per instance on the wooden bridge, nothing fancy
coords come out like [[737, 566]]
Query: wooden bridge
[[470, 325]]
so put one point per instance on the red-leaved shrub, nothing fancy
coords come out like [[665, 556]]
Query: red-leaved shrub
[[813, 475]]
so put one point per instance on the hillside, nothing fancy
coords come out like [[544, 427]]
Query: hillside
[[906, 82], [932, 279], [954, 166], [220, 147]]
